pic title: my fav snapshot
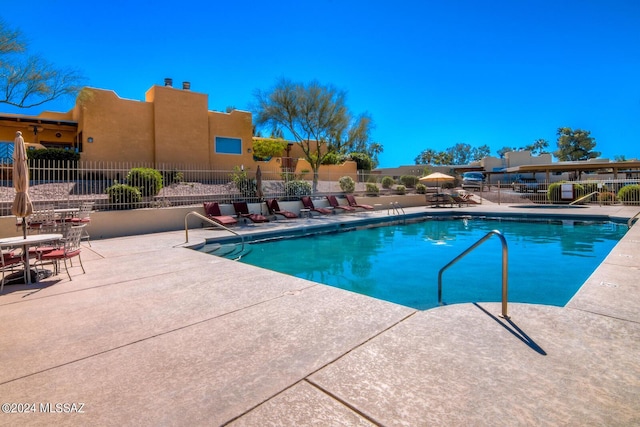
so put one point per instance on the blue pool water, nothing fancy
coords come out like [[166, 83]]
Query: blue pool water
[[548, 261]]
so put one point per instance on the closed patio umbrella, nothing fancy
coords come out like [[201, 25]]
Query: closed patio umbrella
[[22, 206], [437, 177], [259, 194]]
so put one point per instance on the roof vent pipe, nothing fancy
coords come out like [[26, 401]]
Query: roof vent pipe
[[168, 82], [186, 85]]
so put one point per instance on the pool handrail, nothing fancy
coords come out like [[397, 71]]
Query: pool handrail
[[209, 220], [583, 198], [630, 222], [505, 268]]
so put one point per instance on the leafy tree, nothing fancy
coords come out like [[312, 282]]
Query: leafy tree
[[461, 154], [504, 150], [620, 158], [575, 145], [443, 158], [426, 157], [29, 80], [363, 161], [373, 150], [316, 116], [538, 147], [481, 152], [268, 147]]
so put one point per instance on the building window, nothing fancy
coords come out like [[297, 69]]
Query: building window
[[228, 145]]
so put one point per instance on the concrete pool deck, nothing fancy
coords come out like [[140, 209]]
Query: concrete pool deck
[[156, 334]]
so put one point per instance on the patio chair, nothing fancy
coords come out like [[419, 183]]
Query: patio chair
[[463, 199], [333, 202], [212, 211], [83, 217], [242, 210], [10, 261], [308, 204], [69, 249], [351, 200], [274, 209]]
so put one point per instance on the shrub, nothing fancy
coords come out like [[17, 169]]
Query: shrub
[[421, 188], [553, 192], [122, 196], [172, 177], [372, 188], [297, 188], [387, 182], [347, 184], [630, 194], [363, 161], [245, 185], [401, 189], [372, 179], [409, 181], [148, 180], [53, 154]]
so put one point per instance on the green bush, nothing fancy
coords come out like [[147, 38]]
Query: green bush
[[401, 189], [630, 194], [387, 182], [553, 192], [421, 188], [372, 179], [297, 188], [57, 154], [172, 177], [372, 188], [347, 184], [122, 196], [409, 181], [148, 180], [363, 161]]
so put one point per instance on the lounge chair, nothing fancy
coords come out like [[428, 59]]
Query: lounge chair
[[333, 202], [308, 204], [274, 209], [463, 199], [242, 210], [352, 202], [212, 211]]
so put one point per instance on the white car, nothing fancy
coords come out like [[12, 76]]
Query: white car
[[472, 180]]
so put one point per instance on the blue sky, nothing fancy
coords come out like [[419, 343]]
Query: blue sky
[[431, 73]]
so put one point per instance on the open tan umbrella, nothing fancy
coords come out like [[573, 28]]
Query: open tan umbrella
[[22, 206], [437, 177]]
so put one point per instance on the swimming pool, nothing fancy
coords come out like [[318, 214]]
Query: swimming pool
[[548, 260]]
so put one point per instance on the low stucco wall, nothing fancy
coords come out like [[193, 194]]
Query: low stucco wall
[[108, 224]]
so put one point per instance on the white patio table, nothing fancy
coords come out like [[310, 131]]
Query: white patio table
[[30, 240]]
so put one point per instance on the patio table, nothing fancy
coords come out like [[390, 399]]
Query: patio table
[[25, 243]]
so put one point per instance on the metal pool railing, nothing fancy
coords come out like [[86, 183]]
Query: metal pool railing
[[505, 268]]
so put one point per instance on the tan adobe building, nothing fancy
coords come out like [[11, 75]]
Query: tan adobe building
[[170, 127]]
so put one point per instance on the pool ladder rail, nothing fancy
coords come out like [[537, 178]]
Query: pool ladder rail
[[396, 208], [209, 220], [632, 219], [505, 268]]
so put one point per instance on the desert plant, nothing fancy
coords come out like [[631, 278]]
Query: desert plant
[[245, 185], [409, 181], [172, 177], [387, 182], [347, 184], [401, 189], [122, 196], [297, 188], [148, 180], [372, 188], [421, 188], [630, 194]]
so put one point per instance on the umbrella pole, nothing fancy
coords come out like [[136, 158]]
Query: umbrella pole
[[24, 228]]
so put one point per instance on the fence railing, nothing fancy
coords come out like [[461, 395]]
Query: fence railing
[[65, 184]]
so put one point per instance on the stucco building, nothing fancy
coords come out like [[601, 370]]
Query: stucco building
[[172, 126]]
